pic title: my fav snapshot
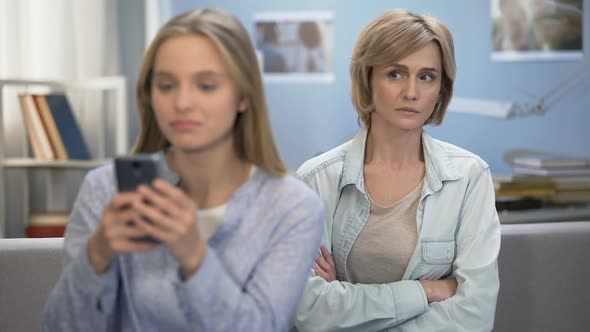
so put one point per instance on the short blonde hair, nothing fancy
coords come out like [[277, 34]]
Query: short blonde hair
[[390, 38], [253, 138]]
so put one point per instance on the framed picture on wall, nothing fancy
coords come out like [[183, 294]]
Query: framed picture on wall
[[295, 46], [537, 30]]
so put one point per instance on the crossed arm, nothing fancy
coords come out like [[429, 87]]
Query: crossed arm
[[411, 305]]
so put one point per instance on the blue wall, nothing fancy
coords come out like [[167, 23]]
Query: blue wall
[[309, 118]]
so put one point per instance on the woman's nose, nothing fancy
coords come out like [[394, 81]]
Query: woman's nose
[[184, 99], [411, 91]]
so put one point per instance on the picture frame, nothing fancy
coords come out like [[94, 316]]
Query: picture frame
[[531, 30], [295, 46]]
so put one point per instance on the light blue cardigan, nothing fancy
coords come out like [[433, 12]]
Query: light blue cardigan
[[459, 236], [251, 279]]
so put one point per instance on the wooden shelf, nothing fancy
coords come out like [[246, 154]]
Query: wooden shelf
[[553, 214], [34, 163]]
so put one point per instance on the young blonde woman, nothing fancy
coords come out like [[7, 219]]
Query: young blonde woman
[[411, 231], [238, 236]]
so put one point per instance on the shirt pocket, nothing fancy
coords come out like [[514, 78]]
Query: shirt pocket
[[438, 254], [438, 250]]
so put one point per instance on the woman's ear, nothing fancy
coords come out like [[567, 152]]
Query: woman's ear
[[243, 105]]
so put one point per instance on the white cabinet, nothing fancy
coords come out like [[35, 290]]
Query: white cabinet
[[99, 106]]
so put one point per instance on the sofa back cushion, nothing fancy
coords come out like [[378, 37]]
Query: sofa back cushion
[[29, 268], [544, 274]]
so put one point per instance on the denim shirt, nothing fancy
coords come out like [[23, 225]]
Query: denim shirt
[[251, 278], [458, 236]]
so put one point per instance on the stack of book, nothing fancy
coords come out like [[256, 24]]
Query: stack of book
[[47, 224], [551, 165], [544, 180], [52, 128], [571, 175], [521, 192]]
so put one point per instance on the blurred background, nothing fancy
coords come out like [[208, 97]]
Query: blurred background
[[512, 51]]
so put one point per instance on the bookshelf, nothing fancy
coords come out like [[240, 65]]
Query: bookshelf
[[33, 163], [23, 177]]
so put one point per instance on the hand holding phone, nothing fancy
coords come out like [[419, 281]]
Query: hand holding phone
[[134, 170], [166, 203]]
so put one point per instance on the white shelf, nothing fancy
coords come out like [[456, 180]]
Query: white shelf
[[53, 175], [34, 163]]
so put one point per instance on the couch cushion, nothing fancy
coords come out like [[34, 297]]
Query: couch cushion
[[544, 273], [29, 268]]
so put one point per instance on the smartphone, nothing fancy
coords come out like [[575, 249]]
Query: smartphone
[[134, 170]]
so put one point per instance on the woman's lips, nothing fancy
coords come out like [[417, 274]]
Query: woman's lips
[[408, 110], [185, 124]]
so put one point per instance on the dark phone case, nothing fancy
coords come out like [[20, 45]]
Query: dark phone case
[[134, 170]]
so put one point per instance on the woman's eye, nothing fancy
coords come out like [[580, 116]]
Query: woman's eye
[[394, 74], [427, 77], [207, 87], [164, 87]]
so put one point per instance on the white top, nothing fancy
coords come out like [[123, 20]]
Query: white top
[[210, 219]]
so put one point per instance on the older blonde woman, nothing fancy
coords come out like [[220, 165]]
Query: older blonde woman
[[238, 236], [411, 231]]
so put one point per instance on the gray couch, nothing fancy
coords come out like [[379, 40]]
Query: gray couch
[[28, 270], [544, 277], [544, 273]]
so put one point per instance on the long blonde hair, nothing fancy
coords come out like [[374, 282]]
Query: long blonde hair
[[253, 140], [390, 38]]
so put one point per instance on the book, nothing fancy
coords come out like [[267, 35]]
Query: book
[[36, 130], [551, 161], [518, 182], [33, 139], [525, 181], [51, 127], [67, 126], [49, 218], [532, 192], [551, 172], [44, 231], [573, 197], [572, 183], [516, 203]]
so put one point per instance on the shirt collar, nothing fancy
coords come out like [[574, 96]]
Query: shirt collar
[[354, 158], [439, 167]]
